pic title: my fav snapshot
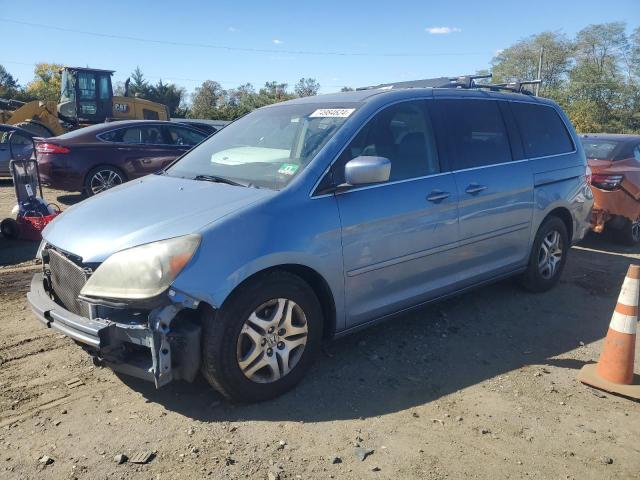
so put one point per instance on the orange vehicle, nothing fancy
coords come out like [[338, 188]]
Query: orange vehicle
[[615, 182]]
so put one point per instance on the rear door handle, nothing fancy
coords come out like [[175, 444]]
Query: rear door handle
[[437, 196], [475, 188]]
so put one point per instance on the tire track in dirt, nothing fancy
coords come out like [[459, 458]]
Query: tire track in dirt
[[35, 349]]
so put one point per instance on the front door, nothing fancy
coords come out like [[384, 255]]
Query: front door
[[399, 236]]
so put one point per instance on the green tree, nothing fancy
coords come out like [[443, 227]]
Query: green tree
[[346, 89], [167, 94], [520, 61], [306, 87], [46, 82], [139, 86], [206, 99], [8, 84], [597, 80]]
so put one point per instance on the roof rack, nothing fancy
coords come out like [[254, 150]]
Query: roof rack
[[463, 81]]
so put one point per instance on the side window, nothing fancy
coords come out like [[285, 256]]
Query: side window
[[184, 136], [636, 153], [132, 135], [150, 114], [542, 130], [403, 134], [152, 136], [105, 91], [474, 132]]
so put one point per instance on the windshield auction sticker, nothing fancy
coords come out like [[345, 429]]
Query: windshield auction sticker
[[332, 112]]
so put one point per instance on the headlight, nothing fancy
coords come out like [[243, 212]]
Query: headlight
[[141, 272]]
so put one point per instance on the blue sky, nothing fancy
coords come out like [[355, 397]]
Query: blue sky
[[432, 38]]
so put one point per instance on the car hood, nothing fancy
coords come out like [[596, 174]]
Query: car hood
[[153, 208]]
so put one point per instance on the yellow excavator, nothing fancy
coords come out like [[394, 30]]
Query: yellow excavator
[[86, 98]]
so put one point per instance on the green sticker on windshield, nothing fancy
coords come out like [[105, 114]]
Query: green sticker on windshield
[[288, 168]]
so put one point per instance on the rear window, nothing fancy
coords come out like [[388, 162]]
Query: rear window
[[542, 130], [474, 131], [599, 149]]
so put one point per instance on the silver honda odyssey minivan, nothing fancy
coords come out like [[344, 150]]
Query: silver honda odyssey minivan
[[310, 219]]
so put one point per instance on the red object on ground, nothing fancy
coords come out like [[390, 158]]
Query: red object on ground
[[31, 227]]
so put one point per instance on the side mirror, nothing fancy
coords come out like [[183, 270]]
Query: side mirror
[[367, 169]]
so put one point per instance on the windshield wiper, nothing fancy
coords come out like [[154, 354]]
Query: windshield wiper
[[217, 179]]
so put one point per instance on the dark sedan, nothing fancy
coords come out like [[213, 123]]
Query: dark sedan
[[96, 158], [21, 144]]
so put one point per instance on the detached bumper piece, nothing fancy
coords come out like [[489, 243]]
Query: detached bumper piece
[[164, 348]]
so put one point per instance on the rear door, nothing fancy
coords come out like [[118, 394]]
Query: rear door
[[494, 186], [399, 236]]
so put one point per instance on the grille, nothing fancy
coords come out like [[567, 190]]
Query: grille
[[67, 279]]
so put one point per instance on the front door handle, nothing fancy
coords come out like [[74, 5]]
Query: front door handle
[[437, 196], [475, 188]]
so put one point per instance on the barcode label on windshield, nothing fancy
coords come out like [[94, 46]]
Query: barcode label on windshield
[[332, 112]]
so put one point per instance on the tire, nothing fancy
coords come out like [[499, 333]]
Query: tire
[[229, 339], [629, 234], [36, 129], [9, 228], [541, 276], [102, 178]]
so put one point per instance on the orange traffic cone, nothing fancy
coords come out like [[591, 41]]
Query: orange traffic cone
[[614, 372]]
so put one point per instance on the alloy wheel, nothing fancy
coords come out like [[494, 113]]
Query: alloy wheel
[[550, 254], [272, 340], [635, 231], [104, 180]]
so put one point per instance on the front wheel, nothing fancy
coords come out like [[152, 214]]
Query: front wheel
[[263, 339], [548, 256]]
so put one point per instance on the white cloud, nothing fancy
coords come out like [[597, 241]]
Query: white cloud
[[232, 29], [442, 30], [277, 41]]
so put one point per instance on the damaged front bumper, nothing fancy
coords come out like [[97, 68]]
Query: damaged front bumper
[[163, 348]]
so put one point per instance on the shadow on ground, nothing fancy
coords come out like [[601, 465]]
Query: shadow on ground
[[16, 251], [430, 353]]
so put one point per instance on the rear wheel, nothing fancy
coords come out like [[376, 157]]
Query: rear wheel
[[548, 256], [629, 234], [103, 178], [263, 339], [36, 129]]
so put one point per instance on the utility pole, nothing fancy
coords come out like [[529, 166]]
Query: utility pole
[[539, 70]]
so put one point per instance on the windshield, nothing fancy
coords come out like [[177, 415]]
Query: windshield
[[599, 149], [266, 148]]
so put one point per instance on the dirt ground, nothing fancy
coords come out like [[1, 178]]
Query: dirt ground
[[480, 386]]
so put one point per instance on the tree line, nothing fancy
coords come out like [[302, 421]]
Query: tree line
[[594, 76]]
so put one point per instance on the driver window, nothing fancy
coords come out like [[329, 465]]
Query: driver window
[[403, 134]]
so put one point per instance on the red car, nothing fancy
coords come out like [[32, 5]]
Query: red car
[[96, 158], [615, 182]]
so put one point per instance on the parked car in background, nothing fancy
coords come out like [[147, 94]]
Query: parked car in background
[[99, 157], [207, 126], [309, 219], [615, 182], [21, 143]]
